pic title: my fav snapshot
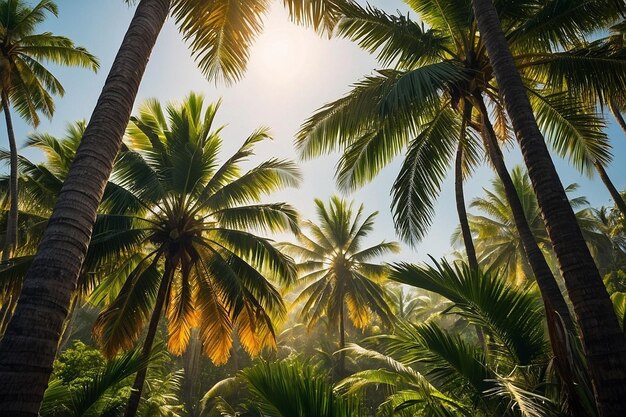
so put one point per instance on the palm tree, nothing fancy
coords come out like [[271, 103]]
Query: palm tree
[[338, 272], [497, 238], [444, 69], [433, 371], [604, 342], [439, 80], [197, 222], [25, 83], [220, 42]]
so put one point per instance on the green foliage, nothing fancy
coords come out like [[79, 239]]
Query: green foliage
[[619, 304], [78, 361], [28, 84], [415, 103], [202, 218], [84, 384], [513, 317], [336, 269], [284, 389]]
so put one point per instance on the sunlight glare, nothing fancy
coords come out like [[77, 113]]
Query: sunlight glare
[[284, 54]]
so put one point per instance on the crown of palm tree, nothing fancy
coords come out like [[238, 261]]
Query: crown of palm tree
[[220, 33], [23, 76], [199, 218], [336, 269], [435, 73]]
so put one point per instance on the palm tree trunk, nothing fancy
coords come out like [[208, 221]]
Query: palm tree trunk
[[466, 232], [617, 114], [559, 320], [10, 240], [30, 342], [550, 291], [459, 194], [341, 368], [617, 198], [191, 365], [140, 378], [603, 341]]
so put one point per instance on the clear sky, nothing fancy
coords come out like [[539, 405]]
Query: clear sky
[[292, 72]]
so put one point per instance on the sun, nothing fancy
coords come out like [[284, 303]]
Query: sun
[[284, 53]]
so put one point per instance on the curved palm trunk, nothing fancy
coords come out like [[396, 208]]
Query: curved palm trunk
[[603, 341], [559, 320], [617, 114], [30, 342], [617, 198], [10, 240], [135, 393], [550, 291], [459, 194]]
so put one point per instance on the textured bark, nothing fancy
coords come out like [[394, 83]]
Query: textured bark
[[549, 288], [617, 198], [10, 239], [459, 194], [603, 341], [30, 342], [140, 378]]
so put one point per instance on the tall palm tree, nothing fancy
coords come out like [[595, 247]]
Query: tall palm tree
[[338, 272], [604, 342], [220, 40], [435, 72], [197, 222], [437, 83], [25, 83]]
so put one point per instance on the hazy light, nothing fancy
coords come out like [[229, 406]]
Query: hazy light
[[285, 54]]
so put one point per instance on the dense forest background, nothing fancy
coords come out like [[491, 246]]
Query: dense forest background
[[367, 220]]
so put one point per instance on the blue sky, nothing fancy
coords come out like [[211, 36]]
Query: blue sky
[[292, 72]]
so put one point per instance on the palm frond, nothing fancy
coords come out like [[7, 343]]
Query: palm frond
[[419, 182], [514, 317], [396, 40], [220, 33]]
